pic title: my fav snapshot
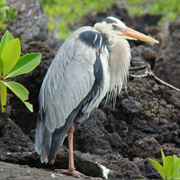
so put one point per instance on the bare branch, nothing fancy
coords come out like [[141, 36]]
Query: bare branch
[[148, 72], [138, 67]]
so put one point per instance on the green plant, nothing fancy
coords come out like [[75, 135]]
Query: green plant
[[65, 14], [170, 168], [168, 8], [11, 65], [6, 15]]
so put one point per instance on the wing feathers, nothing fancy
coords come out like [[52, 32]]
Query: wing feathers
[[68, 81]]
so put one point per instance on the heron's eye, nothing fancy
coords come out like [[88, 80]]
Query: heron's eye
[[113, 26]]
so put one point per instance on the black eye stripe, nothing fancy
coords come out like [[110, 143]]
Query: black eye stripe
[[108, 20]]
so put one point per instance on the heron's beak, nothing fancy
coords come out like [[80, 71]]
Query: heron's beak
[[138, 36]]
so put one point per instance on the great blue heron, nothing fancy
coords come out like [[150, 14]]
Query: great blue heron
[[91, 62]]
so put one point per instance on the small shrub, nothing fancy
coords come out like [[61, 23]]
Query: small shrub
[[11, 65], [7, 14], [170, 168]]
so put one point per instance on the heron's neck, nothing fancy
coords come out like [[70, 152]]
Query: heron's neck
[[119, 62]]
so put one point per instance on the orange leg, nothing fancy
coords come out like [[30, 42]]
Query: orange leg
[[70, 146], [71, 169]]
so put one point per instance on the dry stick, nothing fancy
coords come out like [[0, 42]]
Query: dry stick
[[149, 72], [138, 67]]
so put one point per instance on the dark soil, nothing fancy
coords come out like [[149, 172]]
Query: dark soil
[[146, 117]]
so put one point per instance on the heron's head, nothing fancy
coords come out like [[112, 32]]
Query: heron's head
[[115, 28]]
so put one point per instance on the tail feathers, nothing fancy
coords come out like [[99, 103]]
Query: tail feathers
[[43, 141], [47, 143], [39, 137], [44, 157], [59, 136]]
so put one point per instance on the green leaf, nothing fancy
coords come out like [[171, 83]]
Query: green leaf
[[3, 95], [25, 65], [163, 156], [20, 91], [167, 166], [1, 65], [4, 8], [158, 167], [10, 55], [177, 176], [176, 167], [5, 39]]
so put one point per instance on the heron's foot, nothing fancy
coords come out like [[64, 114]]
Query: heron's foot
[[71, 172]]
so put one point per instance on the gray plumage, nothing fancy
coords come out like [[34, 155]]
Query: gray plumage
[[89, 64]]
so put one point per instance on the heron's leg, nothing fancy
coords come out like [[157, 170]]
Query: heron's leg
[[70, 146], [71, 169]]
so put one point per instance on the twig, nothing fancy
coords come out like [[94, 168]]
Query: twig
[[148, 72], [138, 67], [165, 83]]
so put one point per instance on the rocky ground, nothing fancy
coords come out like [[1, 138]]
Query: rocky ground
[[146, 117]]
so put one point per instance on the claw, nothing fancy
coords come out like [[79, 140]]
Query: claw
[[71, 172], [71, 169]]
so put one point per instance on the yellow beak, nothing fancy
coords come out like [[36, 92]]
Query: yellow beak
[[138, 36]]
